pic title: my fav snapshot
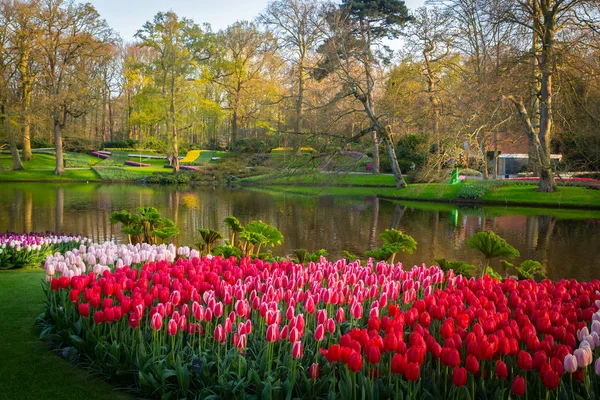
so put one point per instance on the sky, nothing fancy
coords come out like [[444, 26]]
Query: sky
[[127, 16]]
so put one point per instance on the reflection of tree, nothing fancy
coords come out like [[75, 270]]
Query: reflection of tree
[[397, 216], [28, 204], [373, 226], [547, 224], [60, 208]]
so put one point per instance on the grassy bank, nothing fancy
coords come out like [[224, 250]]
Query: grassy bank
[[27, 367], [509, 193]]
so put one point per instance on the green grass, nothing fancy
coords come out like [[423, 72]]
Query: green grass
[[80, 160], [28, 369], [526, 194], [155, 162], [316, 178], [116, 159], [39, 161], [48, 175]]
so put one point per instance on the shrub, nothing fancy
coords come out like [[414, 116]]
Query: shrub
[[120, 144], [472, 191], [41, 144], [170, 178]]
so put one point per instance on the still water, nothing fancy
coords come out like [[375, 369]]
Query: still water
[[566, 242]]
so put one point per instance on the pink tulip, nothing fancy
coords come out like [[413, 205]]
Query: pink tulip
[[297, 350], [156, 322], [172, 327], [272, 333], [340, 316], [320, 333]]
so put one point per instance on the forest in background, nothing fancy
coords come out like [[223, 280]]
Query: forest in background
[[425, 89]]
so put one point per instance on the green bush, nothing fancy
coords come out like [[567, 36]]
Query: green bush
[[120, 144], [79, 145], [170, 178], [41, 144], [117, 174], [473, 191]]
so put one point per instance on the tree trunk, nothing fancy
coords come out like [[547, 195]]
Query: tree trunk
[[58, 146], [26, 92], [547, 183], [398, 177], [299, 100], [375, 144], [17, 163]]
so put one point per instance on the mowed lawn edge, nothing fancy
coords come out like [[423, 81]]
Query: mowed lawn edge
[[29, 369]]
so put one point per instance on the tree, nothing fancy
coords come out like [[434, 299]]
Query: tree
[[355, 34], [298, 24], [241, 66], [74, 36], [545, 19], [432, 35], [180, 46]]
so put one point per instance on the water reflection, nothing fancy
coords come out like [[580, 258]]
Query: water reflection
[[567, 244]]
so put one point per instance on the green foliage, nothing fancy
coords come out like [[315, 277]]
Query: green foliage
[[170, 178], [459, 267], [234, 225], [350, 257], [393, 242], [258, 232], [120, 144], [303, 256], [412, 149], [493, 274], [145, 227], [210, 238], [473, 191], [384, 16], [227, 251], [528, 269], [491, 246]]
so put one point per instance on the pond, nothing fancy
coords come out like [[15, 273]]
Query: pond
[[566, 242]]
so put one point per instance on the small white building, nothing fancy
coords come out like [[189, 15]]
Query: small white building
[[509, 165]]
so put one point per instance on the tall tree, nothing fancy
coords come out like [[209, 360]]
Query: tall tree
[[73, 36], [180, 46], [244, 57], [353, 50], [298, 24], [546, 19]]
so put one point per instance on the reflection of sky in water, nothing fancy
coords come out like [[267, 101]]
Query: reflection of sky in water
[[567, 247]]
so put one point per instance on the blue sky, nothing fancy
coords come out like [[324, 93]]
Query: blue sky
[[127, 16]]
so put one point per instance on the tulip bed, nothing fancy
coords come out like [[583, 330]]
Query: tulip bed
[[19, 250], [168, 324]]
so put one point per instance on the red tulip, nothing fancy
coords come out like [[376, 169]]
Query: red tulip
[[550, 378], [333, 354], [297, 350], [320, 333], [355, 362], [241, 342], [340, 316], [219, 334], [398, 364], [412, 371], [524, 361], [84, 310], [518, 386], [501, 370], [459, 377], [156, 322], [472, 364], [373, 355], [172, 327], [272, 333], [98, 317], [330, 325]]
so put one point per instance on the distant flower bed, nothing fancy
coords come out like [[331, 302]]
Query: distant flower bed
[[99, 155], [136, 164], [290, 149], [23, 250], [355, 154], [189, 168], [193, 155], [534, 178]]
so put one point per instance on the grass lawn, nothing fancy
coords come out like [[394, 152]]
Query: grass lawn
[[29, 370], [48, 175], [526, 194], [155, 162], [316, 178], [39, 161]]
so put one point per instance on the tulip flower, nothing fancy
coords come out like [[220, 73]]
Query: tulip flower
[[340, 316], [297, 350], [501, 370], [84, 310], [98, 317], [459, 377], [272, 333], [524, 361], [320, 333], [398, 364], [313, 372], [597, 367], [518, 386], [172, 327], [472, 364], [570, 363], [412, 372], [355, 362]]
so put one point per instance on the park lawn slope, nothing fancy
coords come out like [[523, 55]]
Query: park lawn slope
[[28, 369], [27, 175]]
